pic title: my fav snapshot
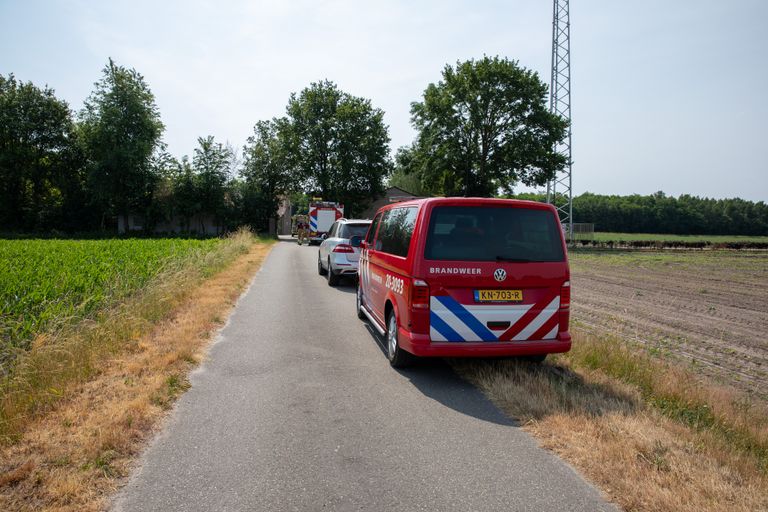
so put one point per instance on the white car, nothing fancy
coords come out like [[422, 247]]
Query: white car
[[337, 257]]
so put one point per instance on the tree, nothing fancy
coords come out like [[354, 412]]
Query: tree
[[484, 128], [122, 129], [186, 198], [266, 170], [164, 168], [339, 143], [39, 157], [211, 164], [405, 175]]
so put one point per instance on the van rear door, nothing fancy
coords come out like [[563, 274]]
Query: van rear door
[[496, 272]]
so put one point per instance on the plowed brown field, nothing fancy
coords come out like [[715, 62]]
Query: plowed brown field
[[705, 309]]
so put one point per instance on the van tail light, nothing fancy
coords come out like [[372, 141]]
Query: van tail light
[[345, 248], [419, 294], [565, 296]]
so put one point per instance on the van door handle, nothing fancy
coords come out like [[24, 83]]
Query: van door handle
[[498, 326]]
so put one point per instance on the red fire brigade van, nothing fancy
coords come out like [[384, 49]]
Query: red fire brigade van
[[463, 277]]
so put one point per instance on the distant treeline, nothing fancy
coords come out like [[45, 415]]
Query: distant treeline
[[669, 244], [659, 213], [106, 167]]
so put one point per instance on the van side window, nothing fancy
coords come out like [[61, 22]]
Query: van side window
[[396, 231], [372, 229]]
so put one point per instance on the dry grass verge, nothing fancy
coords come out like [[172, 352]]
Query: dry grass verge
[[653, 437], [70, 454]]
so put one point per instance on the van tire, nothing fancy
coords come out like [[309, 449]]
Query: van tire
[[333, 279], [320, 270], [398, 358], [359, 302]]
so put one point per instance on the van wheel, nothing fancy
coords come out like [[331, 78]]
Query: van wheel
[[333, 279], [398, 357], [359, 303], [320, 269]]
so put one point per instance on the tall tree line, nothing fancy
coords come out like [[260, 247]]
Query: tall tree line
[[90, 170], [481, 130]]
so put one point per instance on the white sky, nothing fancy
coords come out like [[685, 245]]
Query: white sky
[[667, 96]]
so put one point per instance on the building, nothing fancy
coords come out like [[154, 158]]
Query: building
[[391, 195]]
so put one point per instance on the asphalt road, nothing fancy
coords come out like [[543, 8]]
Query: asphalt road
[[298, 409]]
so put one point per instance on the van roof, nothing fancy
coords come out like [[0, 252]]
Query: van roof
[[466, 201]]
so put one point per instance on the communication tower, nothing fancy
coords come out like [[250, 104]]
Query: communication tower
[[559, 189]]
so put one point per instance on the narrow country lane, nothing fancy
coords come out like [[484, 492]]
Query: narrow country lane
[[297, 409]]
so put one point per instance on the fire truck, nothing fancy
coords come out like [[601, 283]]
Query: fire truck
[[322, 215]]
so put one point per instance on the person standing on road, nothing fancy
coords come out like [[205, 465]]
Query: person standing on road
[[302, 229]]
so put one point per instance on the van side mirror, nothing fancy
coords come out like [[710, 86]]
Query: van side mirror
[[355, 241]]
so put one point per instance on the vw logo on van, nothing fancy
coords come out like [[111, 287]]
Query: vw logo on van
[[500, 274]]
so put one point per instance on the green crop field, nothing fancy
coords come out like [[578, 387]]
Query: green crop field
[[627, 237], [48, 283]]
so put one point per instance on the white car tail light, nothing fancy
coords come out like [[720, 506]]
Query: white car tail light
[[343, 248]]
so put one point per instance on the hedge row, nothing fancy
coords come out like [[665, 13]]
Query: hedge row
[[668, 244]]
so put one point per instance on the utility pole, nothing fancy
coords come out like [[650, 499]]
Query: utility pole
[[559, 188]]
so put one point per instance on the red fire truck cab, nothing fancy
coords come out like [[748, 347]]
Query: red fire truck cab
[[463, 277]]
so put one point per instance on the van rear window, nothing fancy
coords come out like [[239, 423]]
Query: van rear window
[[492, 233]]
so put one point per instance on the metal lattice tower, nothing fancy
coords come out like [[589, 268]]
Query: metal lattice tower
[[559, 189]]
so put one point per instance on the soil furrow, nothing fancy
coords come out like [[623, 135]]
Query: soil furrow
[[708, 311]]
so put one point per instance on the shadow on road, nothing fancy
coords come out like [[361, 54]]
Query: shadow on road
[[348, 285], [435, 378], [524, 390], [286, 240]]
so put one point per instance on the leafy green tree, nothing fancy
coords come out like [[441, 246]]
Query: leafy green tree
[[266, 169], [250, 206], [339, 145], [300, 203], [186, 198], [406, 175], [485, 127], [164, 167], [211, 164], [122, 129], [40, 163]]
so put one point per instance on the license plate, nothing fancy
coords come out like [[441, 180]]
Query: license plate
[[498, 295]]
